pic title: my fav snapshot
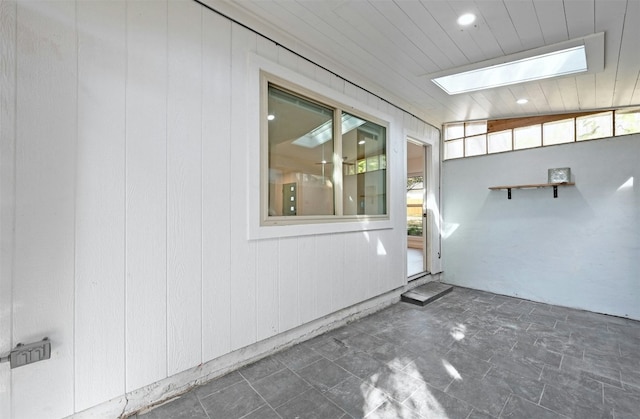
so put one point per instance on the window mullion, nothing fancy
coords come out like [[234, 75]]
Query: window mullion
[[337, 162]]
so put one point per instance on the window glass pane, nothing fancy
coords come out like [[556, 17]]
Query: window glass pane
[[627, 121], [373, 163], [499, 141], [300, 155], [452, 131], [474, 146], [453, 149], [475, 128], [594, 126], [558, 132], [415, 200], [364, 144], [527, 137]]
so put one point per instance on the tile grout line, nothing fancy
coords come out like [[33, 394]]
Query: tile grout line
[[505, 404], [544, 387], [260, 395], [202, 406]]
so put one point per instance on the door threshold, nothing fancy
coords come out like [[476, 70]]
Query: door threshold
[[418, 276]]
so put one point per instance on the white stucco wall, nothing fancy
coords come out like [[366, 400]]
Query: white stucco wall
[[127, 180], [580, 250]]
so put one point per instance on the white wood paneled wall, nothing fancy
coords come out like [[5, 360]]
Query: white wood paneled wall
[[7, 188], [100, 196], [129, 202]]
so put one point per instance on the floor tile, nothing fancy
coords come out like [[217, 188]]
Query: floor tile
[[623, 400], [466, 364], [478, 414], [527, 388], [572, 380], [280, 387], [518, 365], [310, 405], [393, 410], [264, 412], [603, 373], [470, 354], [324, 374], [218, 384], [396, 384], [232, 402], [539, 318], [298, 357], [480, 394], [574, 403], [185, 407], [361, 364], [355, 397], [329, 347], [433, 403], [483, 345], [261, 369], [431, 369], [631, 377], [537, 355], [393, 355], [518, 408], [362, 342]]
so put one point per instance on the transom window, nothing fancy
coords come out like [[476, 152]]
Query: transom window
[[467, 139], [321, 162]]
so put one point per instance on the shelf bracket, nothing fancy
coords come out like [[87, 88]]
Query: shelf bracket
[[555, 191], [508, 193]]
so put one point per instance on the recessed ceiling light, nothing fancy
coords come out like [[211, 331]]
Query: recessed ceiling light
[[522, 101], [466, 19], [361, 142], [271, 117]]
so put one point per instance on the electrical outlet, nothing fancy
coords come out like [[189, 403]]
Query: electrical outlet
[[30, 353]]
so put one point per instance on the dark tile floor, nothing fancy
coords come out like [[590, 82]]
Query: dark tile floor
[[470, 354]]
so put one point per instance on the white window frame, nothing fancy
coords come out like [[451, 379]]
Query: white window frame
[[260, 224]]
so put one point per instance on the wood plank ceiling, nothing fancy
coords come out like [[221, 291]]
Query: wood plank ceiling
[[388, 47]]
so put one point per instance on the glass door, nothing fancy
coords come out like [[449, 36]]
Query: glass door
[[416, 210]]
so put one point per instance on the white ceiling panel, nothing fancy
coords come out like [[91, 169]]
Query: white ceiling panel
[[552, 20], [580, 15], [390, 47], [524, 18], [628, 64], [499, 22], [612, 11]]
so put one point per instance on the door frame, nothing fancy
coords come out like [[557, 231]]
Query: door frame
[[432, 224]]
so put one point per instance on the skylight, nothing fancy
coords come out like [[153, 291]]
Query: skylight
[[558, 63]]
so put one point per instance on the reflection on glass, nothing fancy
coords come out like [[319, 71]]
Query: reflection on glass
[[527, 137], [415, 205], [627, 121], [454, 131], [364, 145], [499, 141], [475, 146], [475, 128], [594, 126], [558, 132], [453, 149], [300, 155]]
